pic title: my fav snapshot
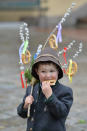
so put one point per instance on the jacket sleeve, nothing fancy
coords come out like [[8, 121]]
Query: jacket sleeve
[[20, 110], [59, 107]]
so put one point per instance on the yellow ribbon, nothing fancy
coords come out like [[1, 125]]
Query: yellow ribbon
[[70, 70]]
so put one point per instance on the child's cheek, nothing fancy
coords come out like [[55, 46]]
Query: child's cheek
[[42, 77], [54, 76]]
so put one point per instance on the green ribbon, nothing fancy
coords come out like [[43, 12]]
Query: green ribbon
[[25, 46]]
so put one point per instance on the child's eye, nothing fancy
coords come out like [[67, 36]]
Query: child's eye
[[52, 71], [43, 71]]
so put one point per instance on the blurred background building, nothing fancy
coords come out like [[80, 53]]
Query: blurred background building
[[41, 12]]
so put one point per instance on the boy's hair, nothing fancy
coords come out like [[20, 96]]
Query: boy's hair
[[47, 55]]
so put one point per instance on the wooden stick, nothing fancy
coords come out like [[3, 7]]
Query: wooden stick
[[29, 106]]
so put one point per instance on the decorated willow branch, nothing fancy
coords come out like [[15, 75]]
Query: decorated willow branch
[[59, 26]]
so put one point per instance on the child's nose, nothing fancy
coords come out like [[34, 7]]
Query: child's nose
[[48, 75]]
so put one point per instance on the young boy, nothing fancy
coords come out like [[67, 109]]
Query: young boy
[[50, 104]]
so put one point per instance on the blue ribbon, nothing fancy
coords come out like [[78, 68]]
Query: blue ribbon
[[35, 56], [38, 51]]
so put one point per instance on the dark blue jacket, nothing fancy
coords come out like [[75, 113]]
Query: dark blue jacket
[[51, 114]]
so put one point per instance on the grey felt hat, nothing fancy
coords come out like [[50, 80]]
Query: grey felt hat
[[48, 54]]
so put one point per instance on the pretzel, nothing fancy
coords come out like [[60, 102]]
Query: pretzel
[[52, 82], [52, 42], [26, 57], [73, 70]]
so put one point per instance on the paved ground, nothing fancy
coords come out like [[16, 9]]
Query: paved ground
[[11, 92]]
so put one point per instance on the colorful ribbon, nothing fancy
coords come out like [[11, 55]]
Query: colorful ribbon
[[70, 70], [25, 46], [59, 34], [23, 81], [64, 54], [38, 51]]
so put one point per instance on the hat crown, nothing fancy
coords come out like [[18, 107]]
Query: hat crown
[[49, 52]]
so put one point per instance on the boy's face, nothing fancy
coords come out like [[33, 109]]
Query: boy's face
[[47, 72]]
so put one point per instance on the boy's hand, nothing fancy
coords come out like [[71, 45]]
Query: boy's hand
[[29, 100], [46, 89]]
